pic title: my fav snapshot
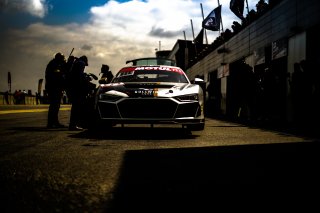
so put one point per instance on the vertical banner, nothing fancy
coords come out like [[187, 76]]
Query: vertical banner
[[223, 71], [199, 38], [40, 86], [9, 81]]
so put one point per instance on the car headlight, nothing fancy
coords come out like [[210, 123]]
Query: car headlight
[[112, 95], [107, 97], [186, 98]]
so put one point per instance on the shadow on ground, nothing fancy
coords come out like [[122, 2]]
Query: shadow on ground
[[38, 129], [268, 178], [137, 133]]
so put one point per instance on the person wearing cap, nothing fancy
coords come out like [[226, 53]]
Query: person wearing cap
[[78, 91], [55, 85]]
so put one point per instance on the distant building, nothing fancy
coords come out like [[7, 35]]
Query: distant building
[[162, 53]]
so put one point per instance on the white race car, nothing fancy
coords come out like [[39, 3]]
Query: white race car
[[151, 92]]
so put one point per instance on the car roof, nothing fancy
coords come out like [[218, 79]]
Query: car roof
[[149, 61]]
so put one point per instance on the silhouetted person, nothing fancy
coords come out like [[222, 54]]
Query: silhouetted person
[[38, 96], [261, 6], [227, 34], [298, 90], [68, 67], [310, 72], [106, 74], [236, 27], [6, 97], [55, 84], [78, 91], [245, 90]]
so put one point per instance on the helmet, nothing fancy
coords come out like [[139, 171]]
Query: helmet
[[84, 59], [59, 56]]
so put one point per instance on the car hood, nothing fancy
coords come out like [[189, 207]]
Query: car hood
[[141, 89]]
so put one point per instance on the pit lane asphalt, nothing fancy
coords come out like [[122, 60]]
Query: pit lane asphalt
[[139, 169], [8, 109]]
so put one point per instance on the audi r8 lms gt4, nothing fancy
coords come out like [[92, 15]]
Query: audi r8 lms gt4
[[151, 94]]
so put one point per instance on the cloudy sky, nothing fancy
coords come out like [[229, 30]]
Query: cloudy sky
[[106, 31]]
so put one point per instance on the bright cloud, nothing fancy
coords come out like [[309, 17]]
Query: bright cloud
[[36, 8]]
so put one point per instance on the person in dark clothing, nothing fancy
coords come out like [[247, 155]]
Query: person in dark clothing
[[6, 97], [106, 74], [68, 66], [298, 89], [261, 6], [78, 87], [55, 84]]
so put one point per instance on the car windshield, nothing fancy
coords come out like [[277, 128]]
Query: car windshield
[[150, 76]]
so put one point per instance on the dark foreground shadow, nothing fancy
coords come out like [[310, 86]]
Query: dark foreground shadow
[[38, 129], [256, 178], [137, 133]]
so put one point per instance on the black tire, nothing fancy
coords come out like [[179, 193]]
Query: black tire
[[195, 127], [96, 124]]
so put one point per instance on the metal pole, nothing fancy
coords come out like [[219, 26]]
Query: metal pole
[[247, 6], [186, 53], [205, 32], [220, 18], [192, 28], [248, 15], [195, 45], [71, 52]]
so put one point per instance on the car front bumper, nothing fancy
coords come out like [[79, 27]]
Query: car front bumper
[[150, 110]]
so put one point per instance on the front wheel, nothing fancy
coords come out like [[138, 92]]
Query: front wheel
[[195, 127]]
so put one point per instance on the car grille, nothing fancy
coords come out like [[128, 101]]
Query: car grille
[[108, 110], [147, 108], [188, 110]]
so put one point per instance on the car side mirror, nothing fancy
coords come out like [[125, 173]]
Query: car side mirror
[[198, 80]]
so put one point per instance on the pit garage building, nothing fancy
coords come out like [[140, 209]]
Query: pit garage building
[[250, 75]]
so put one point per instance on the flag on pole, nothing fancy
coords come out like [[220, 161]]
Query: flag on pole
[[237, 6], [199, 38], [212, 22]]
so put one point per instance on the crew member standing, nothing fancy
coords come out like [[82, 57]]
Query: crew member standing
[[106, 74], [78, 92], [55, 84]]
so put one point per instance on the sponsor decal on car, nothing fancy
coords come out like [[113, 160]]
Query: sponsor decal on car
[[146, 92], [130, 70]]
